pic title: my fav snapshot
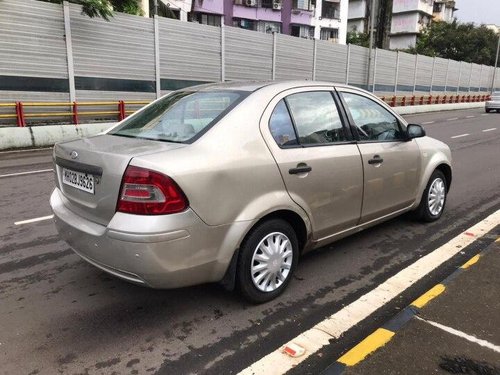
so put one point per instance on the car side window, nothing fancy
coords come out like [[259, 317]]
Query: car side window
[[373, 122], [281, 126], [316, 118]]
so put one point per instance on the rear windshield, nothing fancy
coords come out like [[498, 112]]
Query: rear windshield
[[180, 117]]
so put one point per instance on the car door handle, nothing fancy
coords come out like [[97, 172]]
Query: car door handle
[[301, 168], [376, 160]]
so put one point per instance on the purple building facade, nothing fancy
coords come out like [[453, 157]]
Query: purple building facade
[[320, 19]]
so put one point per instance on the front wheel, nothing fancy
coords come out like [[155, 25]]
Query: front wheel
[[268, 257], [433, 199]]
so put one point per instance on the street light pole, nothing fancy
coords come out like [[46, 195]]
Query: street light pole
[[370, 48], [496, 64]]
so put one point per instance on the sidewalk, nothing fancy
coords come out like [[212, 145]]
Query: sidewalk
[[454, 328]]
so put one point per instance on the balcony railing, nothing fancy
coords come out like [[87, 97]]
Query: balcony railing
[[307, 5]]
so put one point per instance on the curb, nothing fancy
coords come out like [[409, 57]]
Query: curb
[[47, 135], [384, 334], [416, 109]]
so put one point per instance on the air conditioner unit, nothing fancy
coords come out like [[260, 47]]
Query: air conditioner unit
[[251, 3], [277, 4]]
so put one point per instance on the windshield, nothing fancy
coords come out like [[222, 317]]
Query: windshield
[[181, 116]]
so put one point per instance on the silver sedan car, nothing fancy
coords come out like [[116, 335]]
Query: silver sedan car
[[494, 103], [233, 182]]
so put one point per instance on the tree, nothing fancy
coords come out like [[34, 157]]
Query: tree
[[458, 41], [360, 39], [105, 8]]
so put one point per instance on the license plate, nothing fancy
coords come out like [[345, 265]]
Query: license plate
[[79, 180]]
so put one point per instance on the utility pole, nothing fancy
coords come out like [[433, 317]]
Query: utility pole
[[496, 64], [372, 25]]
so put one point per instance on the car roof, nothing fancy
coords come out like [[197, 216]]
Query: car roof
[[252, 86]]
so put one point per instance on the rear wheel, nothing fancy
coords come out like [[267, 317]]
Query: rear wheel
[[433, 199], [268, 258]]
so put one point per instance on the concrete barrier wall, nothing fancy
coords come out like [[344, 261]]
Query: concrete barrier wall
[[410, 110], [44, 136]]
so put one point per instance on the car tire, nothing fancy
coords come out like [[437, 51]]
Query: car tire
[[433, 200], [275, 240], [487, 110]]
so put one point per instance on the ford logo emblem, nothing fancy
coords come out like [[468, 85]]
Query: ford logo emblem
[[73, 154]]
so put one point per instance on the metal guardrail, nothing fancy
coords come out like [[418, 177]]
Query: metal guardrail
[[402, 101], [20, 111]]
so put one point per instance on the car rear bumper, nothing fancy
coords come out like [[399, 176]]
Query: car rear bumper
[[492, 105], [132, 248]]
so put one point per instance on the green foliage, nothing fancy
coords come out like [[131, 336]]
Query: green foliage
[[458, 41], [96, 8], [105, 8], [360, 39], [127, 6]]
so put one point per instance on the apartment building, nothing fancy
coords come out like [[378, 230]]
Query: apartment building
[[358, 15], [409, 18], [494, 28], [320, 19], [398, 22], [444, 10]]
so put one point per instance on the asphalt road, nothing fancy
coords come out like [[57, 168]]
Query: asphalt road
[[59, 314]]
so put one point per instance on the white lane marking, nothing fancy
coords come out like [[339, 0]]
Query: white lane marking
[[337, 324], [489, 130], [26, 173], [34, 220], [485, 114], [428, 122], [461, 334], [470, 116], [460, 135], [452, 119]]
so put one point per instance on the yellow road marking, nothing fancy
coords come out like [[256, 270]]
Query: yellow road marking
[[371, 343], [471, 261], [429, 295], [498, 240]]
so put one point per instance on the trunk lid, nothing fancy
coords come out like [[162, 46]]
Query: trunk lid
[[105, 158]]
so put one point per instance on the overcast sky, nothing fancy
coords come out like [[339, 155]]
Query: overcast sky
[[478, 11]]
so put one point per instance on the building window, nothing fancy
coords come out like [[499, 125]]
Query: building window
[[332, 35], [330, 10], [262, 26], [303, 31], [438, 7], [304, 4], [245, 24], [207, 19], [267, 3], [269, 27]]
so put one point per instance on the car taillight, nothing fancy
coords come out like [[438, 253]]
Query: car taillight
[[146, 192]]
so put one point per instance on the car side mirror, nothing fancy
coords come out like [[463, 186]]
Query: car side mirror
[[415, 131]]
